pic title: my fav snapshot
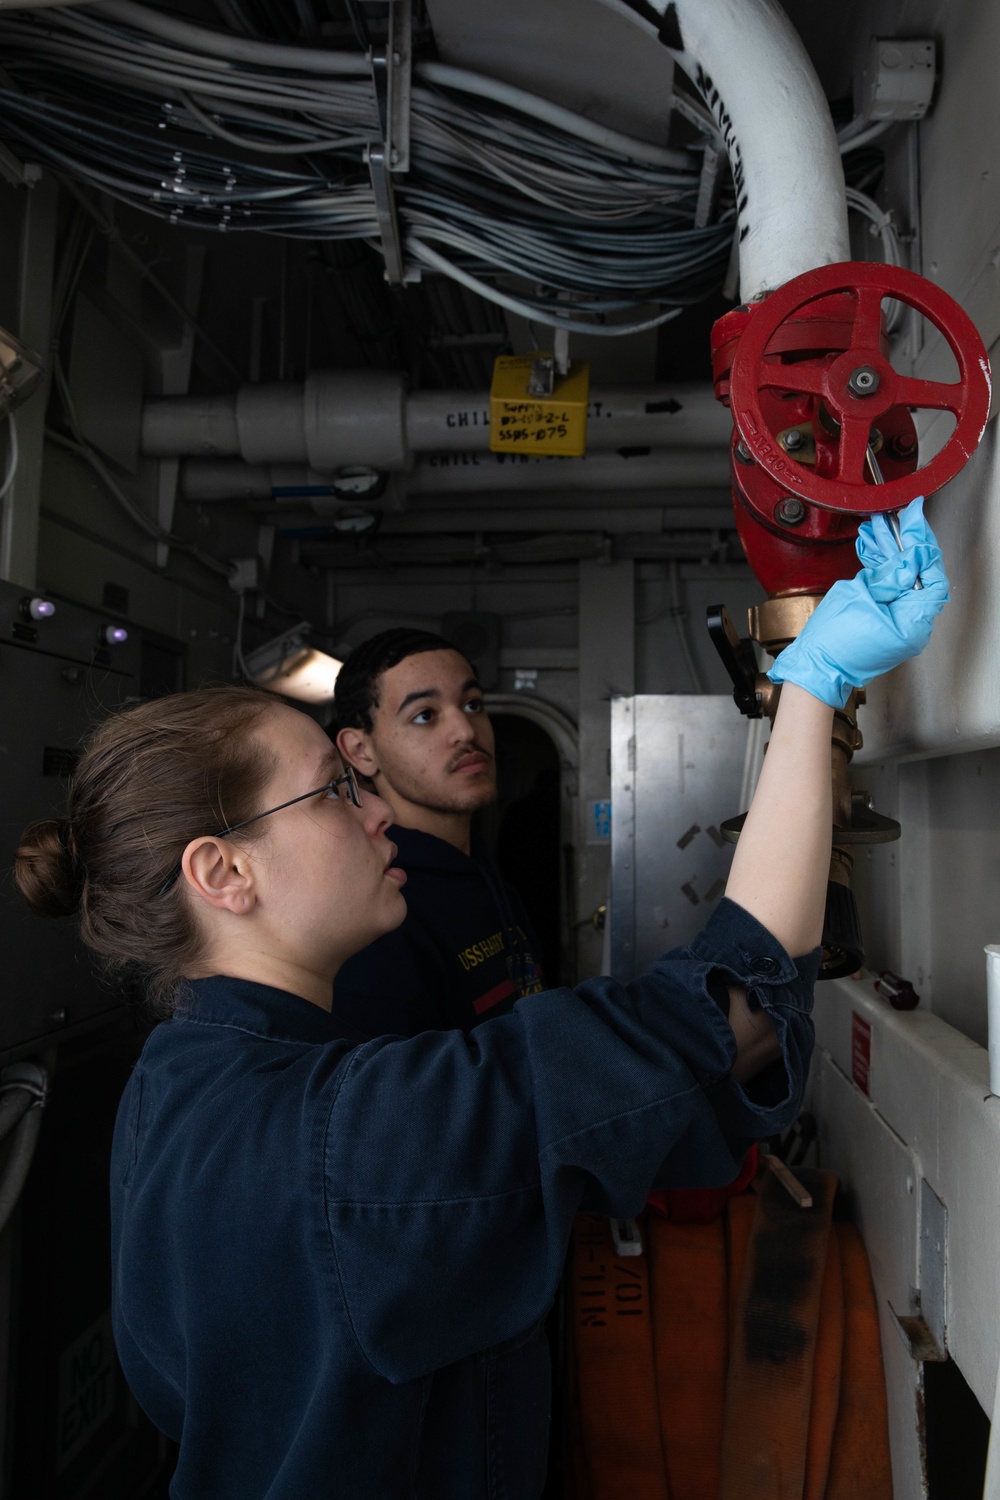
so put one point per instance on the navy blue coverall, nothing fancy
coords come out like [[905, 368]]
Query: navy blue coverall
[[332, 1261], [464, 954]]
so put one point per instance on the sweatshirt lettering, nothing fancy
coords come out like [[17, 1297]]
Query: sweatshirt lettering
[[478, 953]]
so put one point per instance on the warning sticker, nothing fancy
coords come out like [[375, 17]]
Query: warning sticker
[[86, 1389], [553, 425]]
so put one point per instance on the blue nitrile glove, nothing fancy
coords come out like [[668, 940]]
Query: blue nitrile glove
[[870, 623]]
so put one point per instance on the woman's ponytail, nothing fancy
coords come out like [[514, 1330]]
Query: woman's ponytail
[[46, 869], [149, 780]]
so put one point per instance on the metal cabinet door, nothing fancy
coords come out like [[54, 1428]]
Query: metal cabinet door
[[677, 764]]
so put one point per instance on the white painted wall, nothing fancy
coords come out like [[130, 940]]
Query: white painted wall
[[929, 902], [929, 1118], [950, 699]]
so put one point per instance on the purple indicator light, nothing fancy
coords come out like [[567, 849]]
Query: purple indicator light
[[115, 635], [41, 609]]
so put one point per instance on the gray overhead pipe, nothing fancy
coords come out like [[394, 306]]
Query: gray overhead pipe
[[297, 485], [38, 4], [342, 418]]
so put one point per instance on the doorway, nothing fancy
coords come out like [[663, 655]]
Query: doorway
[[523, 829]]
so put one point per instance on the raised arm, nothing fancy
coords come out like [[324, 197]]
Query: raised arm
[[782, 860], [862, 627]]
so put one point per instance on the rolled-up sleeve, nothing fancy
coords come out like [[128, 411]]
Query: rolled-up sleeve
[[453, 1165]]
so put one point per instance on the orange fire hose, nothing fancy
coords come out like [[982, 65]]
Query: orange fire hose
[[615, 1375], [732, 1360], [827, 1374], [769, 1388], [859, 1463], [739, 1223], [691, 1346]]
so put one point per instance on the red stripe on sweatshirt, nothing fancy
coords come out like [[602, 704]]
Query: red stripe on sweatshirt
[[493, 997]]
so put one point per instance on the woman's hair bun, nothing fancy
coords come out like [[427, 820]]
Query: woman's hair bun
[[46, 872]]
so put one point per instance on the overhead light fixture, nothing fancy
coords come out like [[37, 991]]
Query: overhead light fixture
[[289, 665], [37, 608]]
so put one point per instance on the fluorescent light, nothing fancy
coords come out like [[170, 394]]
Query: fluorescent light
[[309, 675], [289, 665], [20, 372]]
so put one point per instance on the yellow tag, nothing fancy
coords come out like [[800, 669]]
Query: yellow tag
[[523, 423]]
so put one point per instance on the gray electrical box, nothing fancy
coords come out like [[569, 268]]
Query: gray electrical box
[[677, 772], [59, 676], [897, 78]]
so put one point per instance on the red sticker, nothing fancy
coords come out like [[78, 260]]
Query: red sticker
[[861, 1053]]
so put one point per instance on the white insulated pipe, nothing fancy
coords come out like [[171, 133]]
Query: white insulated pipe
[[37, 4], [477, 473], [748, 63], [216, 479], [991, 1485], [992, 951], [634, 519], [347, 418], [682, 415]]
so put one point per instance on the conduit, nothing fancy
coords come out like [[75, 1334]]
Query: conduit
[[749, 65], [613, 519], [208, 480], [38, 4], [476, 473], [413, 552], [23, 1093], [229, 46], [341, 418], [137, 103], [483, 87]]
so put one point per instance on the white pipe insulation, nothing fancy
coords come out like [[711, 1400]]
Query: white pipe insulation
[[346, 418], [749, 65], [214, 479], [38, 4]]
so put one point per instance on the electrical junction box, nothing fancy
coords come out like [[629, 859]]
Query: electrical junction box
[[538, 424], [897, 82]]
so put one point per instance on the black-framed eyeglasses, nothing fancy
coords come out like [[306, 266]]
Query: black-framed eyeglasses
[[353, 795]]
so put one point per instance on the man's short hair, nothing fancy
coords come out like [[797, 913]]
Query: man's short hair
[[355, 697]]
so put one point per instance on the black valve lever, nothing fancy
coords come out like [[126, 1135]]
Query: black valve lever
[[738, 658], [843, 945]]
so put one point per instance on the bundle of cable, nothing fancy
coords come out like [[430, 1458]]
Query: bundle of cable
[[737, 1359]]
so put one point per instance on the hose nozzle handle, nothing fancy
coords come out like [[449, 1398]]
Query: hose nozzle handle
[[892, 516]]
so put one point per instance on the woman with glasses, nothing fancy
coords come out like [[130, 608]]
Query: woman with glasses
[[332, 1260]]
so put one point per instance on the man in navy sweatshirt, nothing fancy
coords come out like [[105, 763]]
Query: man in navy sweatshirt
[[411, 718]]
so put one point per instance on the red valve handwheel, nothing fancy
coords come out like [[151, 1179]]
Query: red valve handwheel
[[755, 370]]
